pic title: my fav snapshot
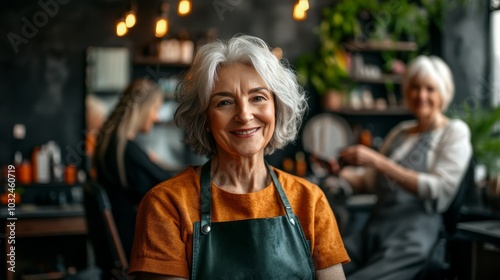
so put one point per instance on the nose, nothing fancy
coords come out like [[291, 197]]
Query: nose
[[422, 93], [156, 117], [245, 113]]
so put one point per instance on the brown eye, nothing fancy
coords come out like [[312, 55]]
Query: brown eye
[[259, 98], [414, 86], [223, 103]]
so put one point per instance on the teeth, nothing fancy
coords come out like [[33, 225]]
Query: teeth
[[246, 132]]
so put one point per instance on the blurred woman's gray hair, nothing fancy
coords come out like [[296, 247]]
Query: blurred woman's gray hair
[[433, 67], [193, 92]]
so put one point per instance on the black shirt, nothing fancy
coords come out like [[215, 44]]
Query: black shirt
[[142, 174]]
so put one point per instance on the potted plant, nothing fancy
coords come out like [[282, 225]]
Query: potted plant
[[484, 140], [327, 75], [327, 69]]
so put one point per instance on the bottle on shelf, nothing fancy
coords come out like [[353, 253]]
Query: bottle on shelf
[[186, 48], [300, 164], [43, 165], [18, 133], [22, 165], [55, 164], [365, 138]]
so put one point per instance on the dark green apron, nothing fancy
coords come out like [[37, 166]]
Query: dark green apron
[[269, 248]]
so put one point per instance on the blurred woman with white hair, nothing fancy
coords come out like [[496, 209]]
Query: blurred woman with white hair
[[416, 174]]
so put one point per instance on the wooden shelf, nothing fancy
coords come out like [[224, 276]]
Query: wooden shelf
[[153, 60], [391, 111], [51, 226], [385, 78], [380, 46], [44, 276]]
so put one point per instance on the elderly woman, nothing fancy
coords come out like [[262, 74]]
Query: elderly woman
[[236, 217], [416, 175]]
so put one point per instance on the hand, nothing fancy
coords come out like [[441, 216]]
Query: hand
[[359, 155], [153, 156]]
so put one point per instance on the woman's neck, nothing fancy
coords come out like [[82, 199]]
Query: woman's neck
[[430, 123], [239, 175]]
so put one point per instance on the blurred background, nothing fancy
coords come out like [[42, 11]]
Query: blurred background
[[58, 59]]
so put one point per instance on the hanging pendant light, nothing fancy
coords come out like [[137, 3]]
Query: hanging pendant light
[[304, 5], [130, 16], [130, 19], [162, 21], [161, 27], [121, 28], [299, 14], [184, 7]]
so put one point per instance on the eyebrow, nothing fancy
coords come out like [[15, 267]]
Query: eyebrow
[[257, 89], [253, 90]]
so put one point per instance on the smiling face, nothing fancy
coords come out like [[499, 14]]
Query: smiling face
[[423, 98], [241, 113]]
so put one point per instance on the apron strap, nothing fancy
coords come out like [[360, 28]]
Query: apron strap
[[281, 192], [206, 197]]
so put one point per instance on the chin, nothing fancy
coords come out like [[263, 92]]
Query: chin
[[423, 112]]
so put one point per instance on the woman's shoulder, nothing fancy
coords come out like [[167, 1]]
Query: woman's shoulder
[[455, 131], [134, 151], [404, 125], [458, 125], [184, 183], [296, 184]]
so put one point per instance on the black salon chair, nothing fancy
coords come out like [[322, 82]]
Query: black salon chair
[[439, 262], [108, 249]]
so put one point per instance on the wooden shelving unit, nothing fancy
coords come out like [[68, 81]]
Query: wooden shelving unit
[[383, 79], [380, 46], [390, 111], [153, 60]]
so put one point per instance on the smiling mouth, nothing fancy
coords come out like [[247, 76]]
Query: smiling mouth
[[245, 132]]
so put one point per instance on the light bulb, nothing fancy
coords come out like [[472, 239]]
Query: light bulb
[[130, 19], [184, 7], [298, 13], [161, 27], [304, 5], [121, 28]]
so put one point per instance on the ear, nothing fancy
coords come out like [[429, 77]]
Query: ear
[[278, 52]]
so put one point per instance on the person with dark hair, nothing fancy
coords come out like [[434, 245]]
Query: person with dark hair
[[123, 168], [236, 217]]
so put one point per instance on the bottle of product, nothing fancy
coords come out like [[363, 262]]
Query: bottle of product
[[300, 164], [34, 166], [288, 165], [186, 48], [365, 138], [18, 133], [43, 165], [56, 167]]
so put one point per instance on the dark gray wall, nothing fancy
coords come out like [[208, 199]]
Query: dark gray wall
[[465, 47], [42, 72], [42, 82]]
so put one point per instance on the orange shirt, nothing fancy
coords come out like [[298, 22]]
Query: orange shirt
[[164, 229]]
